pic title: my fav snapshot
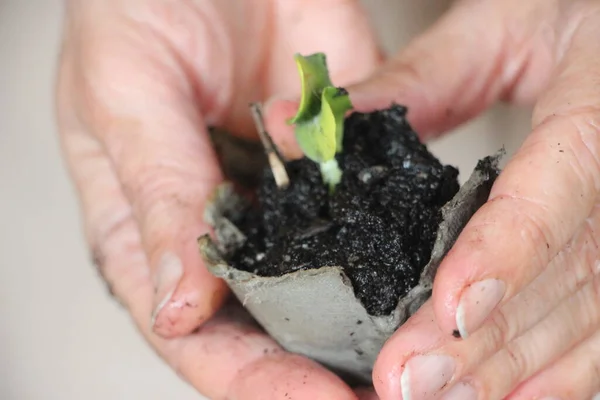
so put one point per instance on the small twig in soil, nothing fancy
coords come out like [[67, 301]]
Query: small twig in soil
[[276, 161]]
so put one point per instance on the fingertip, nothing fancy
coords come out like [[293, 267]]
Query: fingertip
[[417, 336], [186, 295], [464, 296], [188, 307], [448, 285]]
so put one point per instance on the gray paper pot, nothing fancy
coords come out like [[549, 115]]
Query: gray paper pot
[[315, 312]]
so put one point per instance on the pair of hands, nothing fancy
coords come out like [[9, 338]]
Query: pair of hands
[[139, 81]]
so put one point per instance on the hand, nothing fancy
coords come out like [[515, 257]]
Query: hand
[[521, 285], [138, 83], [520, 288]]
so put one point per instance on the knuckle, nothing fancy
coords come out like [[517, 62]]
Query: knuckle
[[517, 361], [498, 331], [110, 242], [586, 147], [585, 248], [167, 202], [110, 230], [537, 232], [154, 188], [578, 132], [529, 215]]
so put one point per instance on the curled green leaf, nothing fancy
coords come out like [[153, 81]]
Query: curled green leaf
[[317, 139], [335, 103], [314, 77]]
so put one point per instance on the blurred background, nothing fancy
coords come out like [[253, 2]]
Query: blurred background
[[61, 336]]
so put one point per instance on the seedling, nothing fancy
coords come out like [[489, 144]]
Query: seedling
[[319, 122], [333, 277]]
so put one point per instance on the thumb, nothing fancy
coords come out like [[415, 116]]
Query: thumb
[[476, 54], [469, 59], [139, 111]]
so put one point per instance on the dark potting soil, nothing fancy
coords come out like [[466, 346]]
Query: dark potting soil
[[379, 225]]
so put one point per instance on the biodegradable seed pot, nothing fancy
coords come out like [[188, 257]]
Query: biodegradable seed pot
[[334, 261]]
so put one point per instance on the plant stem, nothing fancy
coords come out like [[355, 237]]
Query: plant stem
[[276, 162], [331, 172]]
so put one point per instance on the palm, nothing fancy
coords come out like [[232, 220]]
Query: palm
[[136, 89]]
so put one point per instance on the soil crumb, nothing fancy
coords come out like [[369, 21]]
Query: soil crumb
[[379, 225]]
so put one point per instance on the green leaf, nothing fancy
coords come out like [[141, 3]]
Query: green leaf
[[335, 104], [320, 137], [319, 122], [314, 77], [316, 141]]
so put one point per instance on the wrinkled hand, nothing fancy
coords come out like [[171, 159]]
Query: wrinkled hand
[[520, 288], [515, 311], [138, 83]]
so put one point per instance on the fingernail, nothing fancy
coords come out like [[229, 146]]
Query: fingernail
[[424, 376], [460, 391], [167, 276], [476, 304]]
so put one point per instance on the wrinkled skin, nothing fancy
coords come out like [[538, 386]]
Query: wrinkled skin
[[139, 81]]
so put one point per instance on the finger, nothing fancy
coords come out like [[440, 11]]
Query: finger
[[352, 34], [277, 112], [111, 231], [409, 357], [573, 321], [575, 376], [288, 377], [350, 44], [226, 359], [468, 60], [162, 158], [476, 54], [292, 31], [226, 353], [567, 273], [542, 197]]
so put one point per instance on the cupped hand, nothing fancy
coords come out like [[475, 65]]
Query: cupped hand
[[515, 311], [138, 83]]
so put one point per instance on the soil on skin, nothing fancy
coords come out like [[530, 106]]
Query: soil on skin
[[379, 225]]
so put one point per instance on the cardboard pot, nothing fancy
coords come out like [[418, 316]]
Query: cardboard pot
[[315, 312]]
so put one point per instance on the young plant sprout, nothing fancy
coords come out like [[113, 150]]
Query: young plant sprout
[[319, 122], [333, 277]]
